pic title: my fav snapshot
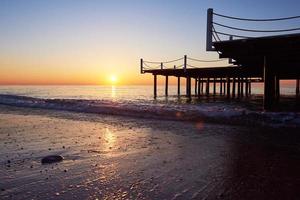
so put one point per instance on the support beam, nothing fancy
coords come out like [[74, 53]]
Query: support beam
[[247, 87], [178, 85], [228, 87], [297, 87], [142, 66], [209, 25], [221, 87], [196, 83], [277, 87], [214, 86], [233, 87], [269, 85], [188, 81], [167, 85], [190, 87], [207, 87], [239, 87], [242, 87], [187, 86], [224, 86], [202, 85], [155, 85], [199, 92], [250, 86]]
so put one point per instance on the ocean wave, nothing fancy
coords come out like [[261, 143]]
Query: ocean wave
[[213, 112]]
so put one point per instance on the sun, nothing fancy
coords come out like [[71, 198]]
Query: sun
[[113, 79]]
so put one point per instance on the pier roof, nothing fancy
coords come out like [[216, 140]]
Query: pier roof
[[282, 52]]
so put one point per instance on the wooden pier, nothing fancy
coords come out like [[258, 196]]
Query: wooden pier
[[232, 81], [266, 59], [278, 57]]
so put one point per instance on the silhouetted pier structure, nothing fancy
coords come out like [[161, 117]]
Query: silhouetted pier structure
[[231, 81], [266, 59]]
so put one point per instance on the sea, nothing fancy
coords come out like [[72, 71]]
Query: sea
[[138, 101]]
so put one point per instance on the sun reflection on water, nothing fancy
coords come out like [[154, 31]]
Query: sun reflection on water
[[109, 139], [113, 92]]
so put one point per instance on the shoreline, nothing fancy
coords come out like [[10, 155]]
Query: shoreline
[[220, 113]]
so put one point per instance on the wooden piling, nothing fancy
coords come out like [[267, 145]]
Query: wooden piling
[[187, 86], [214, 86], [250, 86], [228, 87], [269, 85], [297, 87], [188, 92], [224, 86], [167, 85], [239, 87], [199, 82], [190, 87], [233, 87], [178, 85], [246, 87], [221, 88], [202, 86], [196, 83], [277, 87], [242, 87], [155, 85], [207, 86]]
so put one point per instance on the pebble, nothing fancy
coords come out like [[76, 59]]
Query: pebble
[[52, 159]]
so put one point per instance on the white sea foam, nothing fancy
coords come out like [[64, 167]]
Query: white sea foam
[[206, 112]]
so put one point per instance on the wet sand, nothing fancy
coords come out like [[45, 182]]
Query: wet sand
[[111, 157]]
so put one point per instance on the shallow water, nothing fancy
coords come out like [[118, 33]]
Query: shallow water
[[114, 93], [138, 101]]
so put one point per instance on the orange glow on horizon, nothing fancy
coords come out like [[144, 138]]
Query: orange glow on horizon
[[92, 79]]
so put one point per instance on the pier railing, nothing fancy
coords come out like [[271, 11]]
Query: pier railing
[[184, 63], [223, 27]]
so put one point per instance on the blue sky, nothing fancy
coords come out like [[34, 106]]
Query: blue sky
[[109, 36]]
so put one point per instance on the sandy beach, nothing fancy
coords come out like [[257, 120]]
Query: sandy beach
[[111, 157]]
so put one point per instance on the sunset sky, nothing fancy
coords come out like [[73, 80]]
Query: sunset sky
[[88, 42]]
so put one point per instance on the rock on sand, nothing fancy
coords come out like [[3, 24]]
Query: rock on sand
[[52, 159]]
